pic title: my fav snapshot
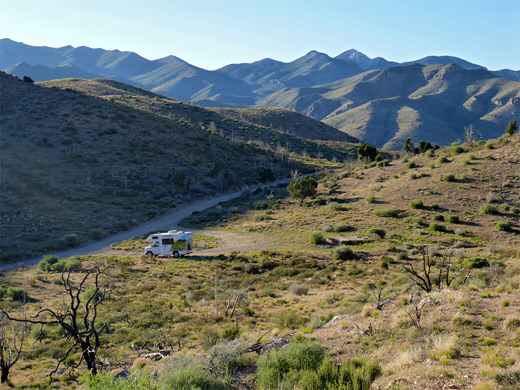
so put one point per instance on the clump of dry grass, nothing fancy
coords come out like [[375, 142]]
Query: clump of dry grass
[[406, 358], [445, 347]]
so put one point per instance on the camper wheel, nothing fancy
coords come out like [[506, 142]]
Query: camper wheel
[[176, 254], [149, 254]]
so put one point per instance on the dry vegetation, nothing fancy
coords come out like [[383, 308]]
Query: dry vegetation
[[363, 306]]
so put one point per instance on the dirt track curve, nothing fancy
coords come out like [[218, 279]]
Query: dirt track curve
[[168, 221]]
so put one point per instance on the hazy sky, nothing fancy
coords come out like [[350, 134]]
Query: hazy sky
[[213, 33]]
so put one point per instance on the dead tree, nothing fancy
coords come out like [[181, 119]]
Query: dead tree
[[421, 278], [78, 318], [11, 343]]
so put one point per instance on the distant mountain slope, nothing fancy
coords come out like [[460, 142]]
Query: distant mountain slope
[[43, 73], [288, 121], [350, 91], [365, 62], [106, 63], [444, 60], [433, 103], [93, 157]]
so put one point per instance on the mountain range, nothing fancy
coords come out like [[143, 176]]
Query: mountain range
[[383, 102]]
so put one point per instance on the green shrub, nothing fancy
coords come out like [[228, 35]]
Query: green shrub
[[344, 253], [442, 160], [475, 262], [183, 374], [377, 231], [17, 294], [437, 227], [103, 380], [263, 217], [416, 204], [387, 212], [288, 319], [488, 209], [342, 227], [489, 146], [47, 262], [448, 177], [355, 374], [70, 241], [230, 333], [335, 206], [298, 355], [504, 225], [385, 262], [451, 218], [73, 265], [370, 199], [317, 238], [456, 148], [208, 337], [411, 164]]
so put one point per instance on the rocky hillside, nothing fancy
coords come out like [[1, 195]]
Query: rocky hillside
[[84, 159]]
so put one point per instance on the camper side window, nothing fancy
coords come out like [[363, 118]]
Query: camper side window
[[167, 241]]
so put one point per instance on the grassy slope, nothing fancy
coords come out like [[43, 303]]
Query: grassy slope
[[95, 157], [462, 341]]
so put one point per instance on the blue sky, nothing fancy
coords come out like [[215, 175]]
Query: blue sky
[[213, 33]]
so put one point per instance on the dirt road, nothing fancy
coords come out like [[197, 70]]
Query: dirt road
[[168, 221]]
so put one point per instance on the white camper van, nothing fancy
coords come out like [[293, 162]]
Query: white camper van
[[172, 243]]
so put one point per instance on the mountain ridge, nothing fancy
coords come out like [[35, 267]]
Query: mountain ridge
[[315, 84]]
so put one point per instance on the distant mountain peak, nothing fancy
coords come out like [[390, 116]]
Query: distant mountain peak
[[354, 55]]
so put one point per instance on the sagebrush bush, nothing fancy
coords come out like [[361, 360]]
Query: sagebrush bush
[[388, 212], [288, 319], [411, 164], [475, 262], [189, 374], [437, 227], [317, 238], [17, 294], [342, 227], [416, 204], [488, 209], [298, 289], [512, 323], [344, 253], [451, 218], [370, 199], [377, 231], [208, 337], [442, 160], [136, 380], [225, 357], [448, 177], [296, 356], [456, 148], [230, 333], [327, 227], [504, 225]]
